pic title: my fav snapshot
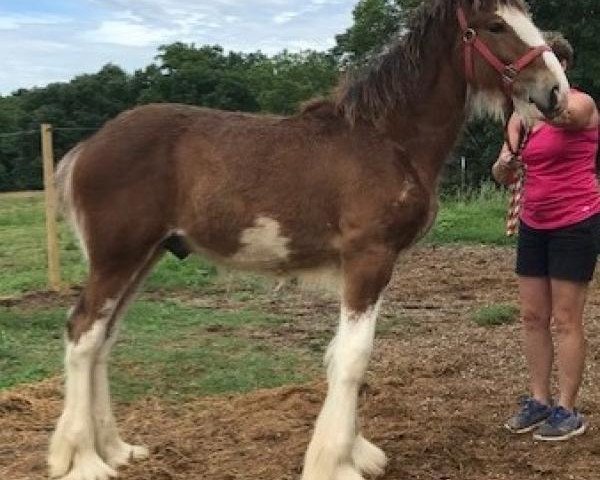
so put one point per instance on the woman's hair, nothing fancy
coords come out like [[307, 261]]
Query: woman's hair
[[561, 47]]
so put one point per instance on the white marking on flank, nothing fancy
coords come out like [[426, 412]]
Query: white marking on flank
[[262, 243]]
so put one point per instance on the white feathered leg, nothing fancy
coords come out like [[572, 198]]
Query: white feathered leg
[[72, 454], [336, 452]]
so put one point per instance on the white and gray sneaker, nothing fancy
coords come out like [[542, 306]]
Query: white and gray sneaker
[[562, 424], [531, 414]]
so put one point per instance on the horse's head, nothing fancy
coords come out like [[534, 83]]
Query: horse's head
[[506, 55]]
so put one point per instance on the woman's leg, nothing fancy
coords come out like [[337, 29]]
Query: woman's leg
[[536, 310], [568, 301]]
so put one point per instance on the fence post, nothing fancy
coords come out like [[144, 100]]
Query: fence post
[[51, 209], [463, 174]]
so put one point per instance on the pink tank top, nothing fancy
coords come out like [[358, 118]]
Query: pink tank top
[[561, 187]]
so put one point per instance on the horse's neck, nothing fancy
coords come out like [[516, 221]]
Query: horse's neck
[[429, 131]]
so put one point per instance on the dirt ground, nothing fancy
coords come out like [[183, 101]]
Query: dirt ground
[[438, 390]]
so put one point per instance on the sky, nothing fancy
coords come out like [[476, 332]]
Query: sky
[[46, 41]]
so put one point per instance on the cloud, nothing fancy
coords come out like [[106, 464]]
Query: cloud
[[128, 34], [40, 49], [14, 22], [284, 17]]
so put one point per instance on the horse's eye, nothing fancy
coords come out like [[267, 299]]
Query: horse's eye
[[496, 27]]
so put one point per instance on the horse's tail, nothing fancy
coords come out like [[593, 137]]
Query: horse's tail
[[64, 185]]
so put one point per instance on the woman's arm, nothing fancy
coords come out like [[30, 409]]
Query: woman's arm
[[581, 113], [505, 168]]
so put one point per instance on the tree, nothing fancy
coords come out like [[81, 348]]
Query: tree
[[375, 22], [579, 21], [281, 83]]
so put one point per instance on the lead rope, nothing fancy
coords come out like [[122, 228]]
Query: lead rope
[[516, 187]]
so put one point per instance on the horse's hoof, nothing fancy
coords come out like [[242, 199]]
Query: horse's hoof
[[122, 453], [368, 458], [89, 466]]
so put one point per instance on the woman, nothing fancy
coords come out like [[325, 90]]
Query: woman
[[556, 253]]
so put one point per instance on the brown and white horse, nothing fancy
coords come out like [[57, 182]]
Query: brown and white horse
[[342, 187]]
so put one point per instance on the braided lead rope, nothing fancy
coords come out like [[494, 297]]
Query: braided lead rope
[[516, 188], [514, 205]]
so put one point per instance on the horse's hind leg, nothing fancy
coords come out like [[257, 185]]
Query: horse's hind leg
[[86, 428], [109, 444]]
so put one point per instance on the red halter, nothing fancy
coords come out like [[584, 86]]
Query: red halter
[[508, 72]]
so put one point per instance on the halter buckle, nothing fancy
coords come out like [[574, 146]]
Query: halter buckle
[[469, 35], [509, 74]]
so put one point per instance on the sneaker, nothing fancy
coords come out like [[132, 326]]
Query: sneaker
[[561, 425], [531, 414]]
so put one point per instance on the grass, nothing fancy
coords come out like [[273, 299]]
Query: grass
[[30, 345], [166, 349], [476, 217], [495, 315]]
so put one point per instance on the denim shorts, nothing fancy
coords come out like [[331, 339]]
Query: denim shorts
[[566, 253]]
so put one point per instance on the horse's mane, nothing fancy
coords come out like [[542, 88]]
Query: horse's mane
[[395, 76]]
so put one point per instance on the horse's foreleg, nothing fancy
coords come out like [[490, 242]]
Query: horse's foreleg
[[337, 451]]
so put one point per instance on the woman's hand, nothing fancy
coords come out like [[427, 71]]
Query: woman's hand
[[505, 168], [508, 160]]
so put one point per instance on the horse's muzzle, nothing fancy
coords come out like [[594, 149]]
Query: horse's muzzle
[[552, 104]]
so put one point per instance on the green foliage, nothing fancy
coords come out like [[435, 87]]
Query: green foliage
[[495, 315], [580, 23], [375, 21], [284, 81]]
